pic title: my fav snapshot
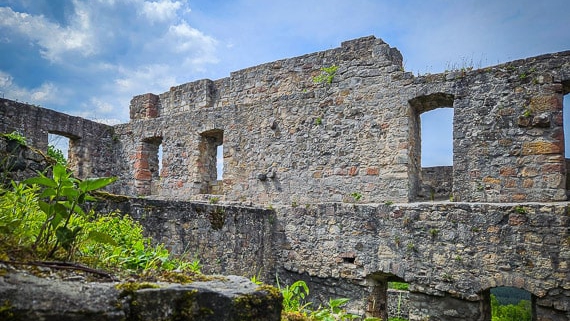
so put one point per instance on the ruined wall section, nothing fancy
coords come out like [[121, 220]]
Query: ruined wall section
[[508, 132], [308, 142], [458, 250], [91, 144], [226, 239], [450, 253], [289, 140], [508, 135]]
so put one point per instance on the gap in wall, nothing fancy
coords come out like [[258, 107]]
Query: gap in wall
[[437, 137], [509, 303], [220, 162], [566, 119], [60, 143]]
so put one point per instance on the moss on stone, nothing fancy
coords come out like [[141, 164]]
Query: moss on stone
[[188, 309], [129, 288], [251, 306], [6, 311]]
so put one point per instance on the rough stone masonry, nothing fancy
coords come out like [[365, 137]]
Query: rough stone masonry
[[322, 180]]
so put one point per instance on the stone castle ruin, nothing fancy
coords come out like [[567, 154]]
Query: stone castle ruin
[[322, 180]]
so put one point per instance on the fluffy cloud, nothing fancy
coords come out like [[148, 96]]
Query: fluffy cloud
[[54, 40], [46, 93], [163, 10]]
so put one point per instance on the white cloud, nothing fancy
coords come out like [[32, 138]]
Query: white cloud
[[163, 10], [148, 78], [53, 39], [46, 93]]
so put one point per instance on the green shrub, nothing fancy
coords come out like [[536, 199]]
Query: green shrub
[[56, 154], [43, 218]]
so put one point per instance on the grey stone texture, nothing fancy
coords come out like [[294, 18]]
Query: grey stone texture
[[28, 297], [92, 146], [322, 180]]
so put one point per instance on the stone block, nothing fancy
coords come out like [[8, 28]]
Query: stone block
[[540, 148]]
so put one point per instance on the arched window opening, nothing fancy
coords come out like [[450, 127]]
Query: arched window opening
[[58, 147], [210, 163], [431, 151], [509, 303]]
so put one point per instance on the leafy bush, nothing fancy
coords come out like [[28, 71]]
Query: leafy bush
[[56, 154], [15, 136], [43, 218], [296, 308], [519, 312]]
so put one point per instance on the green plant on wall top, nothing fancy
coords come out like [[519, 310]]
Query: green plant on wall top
[[326, 76], [15, 136], [356, 196]]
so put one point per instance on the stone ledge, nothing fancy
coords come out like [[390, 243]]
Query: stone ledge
[[28, 297]]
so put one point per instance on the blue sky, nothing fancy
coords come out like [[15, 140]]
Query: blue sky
[[89, 57]]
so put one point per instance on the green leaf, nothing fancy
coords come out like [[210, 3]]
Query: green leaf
[[101, 237], [48, 193], [65, 237], [91, 184], [338, 302], [41, 180], [59, 173], [45, 207], [69, 192]]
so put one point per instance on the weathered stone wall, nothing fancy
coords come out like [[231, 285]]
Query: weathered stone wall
[[18, 162], [226, 239], [287, 139], [456, 250], [436, 183], [311, 141], [450, 253], [92, 146]]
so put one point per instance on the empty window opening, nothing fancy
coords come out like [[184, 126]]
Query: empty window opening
[[148, 166], [431, 149], [58, 148], [566, 129], [566, 124], [437, 137], [210, 162], [159, 156], [220, 162], [509, 303]]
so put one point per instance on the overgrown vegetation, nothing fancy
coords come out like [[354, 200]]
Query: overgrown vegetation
[[47, 217], [326, 76], [522, 311], [57, 155], [297, 308], [15, 136]]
